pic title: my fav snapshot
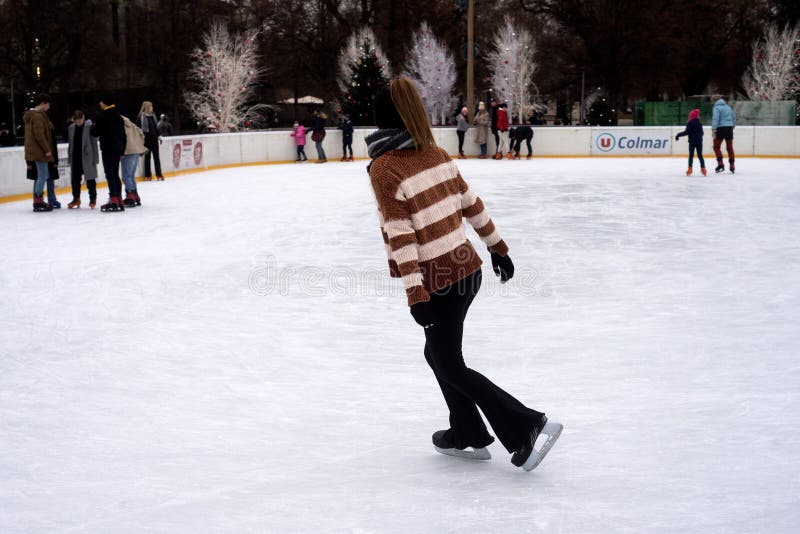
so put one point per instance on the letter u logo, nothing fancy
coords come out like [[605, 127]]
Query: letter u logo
[[605, 142]]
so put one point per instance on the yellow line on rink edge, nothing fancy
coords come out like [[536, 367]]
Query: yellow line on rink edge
[[101, 185]]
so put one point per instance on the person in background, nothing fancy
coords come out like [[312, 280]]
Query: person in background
[[694, 129], [83, 156], [494, 105], [299, 135], [6, 137], [147, 120], [723, 121], [517, 135], [318, 134], [134, 147], [346, 126], [502, 129], [39, 148], [422, 201], [53, 175], [164, 126], [110, 129], [482, 120], [461, 130]]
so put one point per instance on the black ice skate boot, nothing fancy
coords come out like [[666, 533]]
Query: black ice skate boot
[[720, 167], [731, 166], [129, 202], [442, 442], [114, 204], [527, 457], [40, 205]]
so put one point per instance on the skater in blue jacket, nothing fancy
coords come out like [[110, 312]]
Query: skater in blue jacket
[[723, 122], [694, 129]]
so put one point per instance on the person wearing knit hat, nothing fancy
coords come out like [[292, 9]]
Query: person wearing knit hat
[[482, 120], [422, 200], [110, 129], [694, 129]]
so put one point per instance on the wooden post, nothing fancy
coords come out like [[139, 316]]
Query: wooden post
[[470, 60]]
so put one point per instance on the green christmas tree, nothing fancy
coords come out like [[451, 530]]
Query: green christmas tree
[[366, 75]]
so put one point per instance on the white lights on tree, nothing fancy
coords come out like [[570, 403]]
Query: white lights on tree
[[226, 70], [511, 62], [433, 69], [351, 55], [774, 72]]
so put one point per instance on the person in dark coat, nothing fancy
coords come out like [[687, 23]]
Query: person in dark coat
[[517, 135], [149, 126], [495, 133], [318, 134], [346, 126], [110, 129], [6, 137], [694, 129], [83, 156], [164, 126]]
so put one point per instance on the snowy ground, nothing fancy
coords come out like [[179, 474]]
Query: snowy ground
[[232, 357]]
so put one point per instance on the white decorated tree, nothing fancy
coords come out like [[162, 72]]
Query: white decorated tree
[[363, 68], [432, 67], [774, 72], [226, 70], [511, 62]]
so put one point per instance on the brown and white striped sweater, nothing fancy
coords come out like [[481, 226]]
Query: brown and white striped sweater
[[421, 201]]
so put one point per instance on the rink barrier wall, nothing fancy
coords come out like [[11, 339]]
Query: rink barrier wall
[[180, 154]]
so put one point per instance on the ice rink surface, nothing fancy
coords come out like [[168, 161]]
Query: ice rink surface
[[232, 356]]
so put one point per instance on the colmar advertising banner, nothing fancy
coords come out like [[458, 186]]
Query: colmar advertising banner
[[624, 142]]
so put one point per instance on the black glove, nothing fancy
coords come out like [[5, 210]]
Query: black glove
[[503, 267], [423, 314], [677, 137]]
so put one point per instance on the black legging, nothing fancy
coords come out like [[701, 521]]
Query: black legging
[[517, 146], [347, 143], [111, 168], [151, 143], [91, 185], [461, 141], [464, 389]]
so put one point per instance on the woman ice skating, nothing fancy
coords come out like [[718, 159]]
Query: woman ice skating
[[149, 125], [482, 120], [299, 136], [318, 134], [346, 126], [134, 147], [695, 132], [502, 129], [461, 130], [519, 134], [422, 199], [83, 155]]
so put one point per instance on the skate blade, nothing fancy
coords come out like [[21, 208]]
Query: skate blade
[[481, 453], [552, 431]]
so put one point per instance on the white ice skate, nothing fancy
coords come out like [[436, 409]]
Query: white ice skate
[[481, 453], [546, 438], [443, 446]]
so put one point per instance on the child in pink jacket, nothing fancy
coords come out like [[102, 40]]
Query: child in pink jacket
[[299, 135]]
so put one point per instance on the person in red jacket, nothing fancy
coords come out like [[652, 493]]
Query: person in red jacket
[[502, 129]]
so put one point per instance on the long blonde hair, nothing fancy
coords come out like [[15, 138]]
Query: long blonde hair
[[145, 105], [411, 109]]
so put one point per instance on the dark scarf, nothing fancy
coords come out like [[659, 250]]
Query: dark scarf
[[383, 141]]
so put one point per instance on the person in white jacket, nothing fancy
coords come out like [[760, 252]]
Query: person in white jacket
[[134, 147]]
